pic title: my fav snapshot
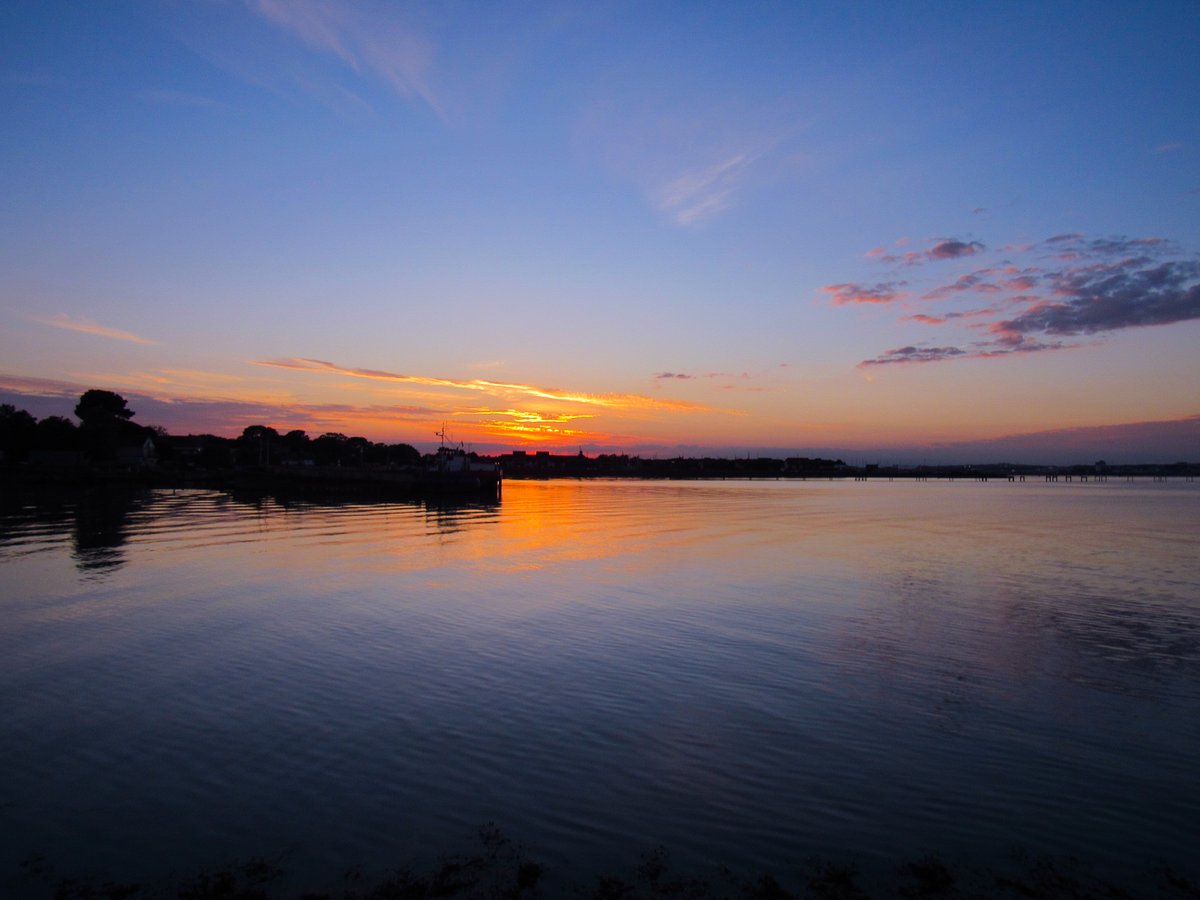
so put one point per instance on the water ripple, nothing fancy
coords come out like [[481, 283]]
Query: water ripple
[[740, 671]]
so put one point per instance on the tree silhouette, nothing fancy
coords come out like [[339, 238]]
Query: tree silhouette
[[17, 429], [328, 448], [403, 454], [259, 432], [102, 407], [57, 433], [104, 418], [256, 441]]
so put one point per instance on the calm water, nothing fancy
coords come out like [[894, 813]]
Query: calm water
[[748, 673]]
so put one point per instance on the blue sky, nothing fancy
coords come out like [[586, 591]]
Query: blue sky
[[881, 228]]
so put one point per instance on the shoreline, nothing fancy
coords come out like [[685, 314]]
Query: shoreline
[[502, 868], [415, 483]]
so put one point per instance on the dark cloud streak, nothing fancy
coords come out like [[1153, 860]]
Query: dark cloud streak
[[952, 249], [945, 248], [913, 354], [1008, 345]]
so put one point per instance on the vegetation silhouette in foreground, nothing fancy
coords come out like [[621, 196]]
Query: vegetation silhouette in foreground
[[501, 870]]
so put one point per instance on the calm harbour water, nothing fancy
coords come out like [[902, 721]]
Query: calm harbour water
[[747, 673]]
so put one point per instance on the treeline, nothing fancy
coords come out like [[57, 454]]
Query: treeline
[[263, 445], [106, 434], [105, 425]]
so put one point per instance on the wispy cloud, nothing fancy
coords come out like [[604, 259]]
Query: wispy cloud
[[987, 312], [526, 425], [226, 403], [989, 281], [370, 38], [39, 387], [700, 194], [202, 411], [528, 416], [911, 354], [1072, 247], [498, 388], [693, 156], [87, 326], [977, 350], [742, 382], [185, 380]]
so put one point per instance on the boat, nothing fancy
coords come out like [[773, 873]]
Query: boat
[[454, 470]]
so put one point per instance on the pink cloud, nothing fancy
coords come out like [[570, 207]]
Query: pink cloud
[[885, 292], [1088, 286]]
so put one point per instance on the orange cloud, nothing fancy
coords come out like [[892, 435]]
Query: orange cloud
[[87, 326], [531, 433], [527, 416], [229, 414], [609, 401]]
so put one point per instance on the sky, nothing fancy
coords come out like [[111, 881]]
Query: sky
[[881, 231]]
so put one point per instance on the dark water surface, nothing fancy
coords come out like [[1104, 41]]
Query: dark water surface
[[747, 673]]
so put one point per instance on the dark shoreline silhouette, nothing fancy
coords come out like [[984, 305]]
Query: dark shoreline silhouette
[[519, 464], [415, 481], [109, 447]]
